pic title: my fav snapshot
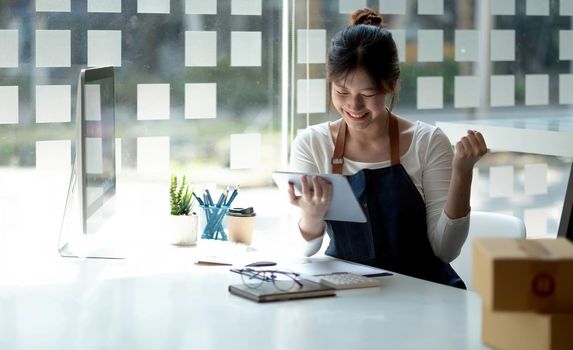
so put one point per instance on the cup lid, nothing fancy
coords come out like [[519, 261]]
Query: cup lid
[[241, 211]]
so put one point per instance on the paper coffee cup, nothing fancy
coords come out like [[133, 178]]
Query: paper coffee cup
[[240, 228]]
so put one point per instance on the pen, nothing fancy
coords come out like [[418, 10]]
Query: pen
[[221, 199], [226, 195], [198, 199], [209, 198], [233, 195]]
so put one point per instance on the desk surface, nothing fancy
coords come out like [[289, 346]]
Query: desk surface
[[158, 299], [134, 304]]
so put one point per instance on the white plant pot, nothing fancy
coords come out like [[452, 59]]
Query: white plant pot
[[184, 229]]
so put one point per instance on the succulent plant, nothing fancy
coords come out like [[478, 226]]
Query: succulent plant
[[180, 196]]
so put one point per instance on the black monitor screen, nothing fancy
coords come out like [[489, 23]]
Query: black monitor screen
[[96, 146], [566, 223]]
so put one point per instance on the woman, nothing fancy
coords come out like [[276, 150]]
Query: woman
[[414, 190]]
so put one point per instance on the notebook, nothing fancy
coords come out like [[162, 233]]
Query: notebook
[[268, 292]]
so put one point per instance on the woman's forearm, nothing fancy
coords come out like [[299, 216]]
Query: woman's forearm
[[469, 150], [311, 228], [458, 201]]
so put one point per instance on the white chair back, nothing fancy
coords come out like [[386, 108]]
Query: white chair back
[[485, 224]]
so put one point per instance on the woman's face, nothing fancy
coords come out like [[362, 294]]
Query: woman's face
[[357, 100]]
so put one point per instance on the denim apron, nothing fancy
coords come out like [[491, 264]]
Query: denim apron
[[395, 235]]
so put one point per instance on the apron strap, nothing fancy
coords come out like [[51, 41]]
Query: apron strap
[[394, 139], [337, 160], [338, 156]]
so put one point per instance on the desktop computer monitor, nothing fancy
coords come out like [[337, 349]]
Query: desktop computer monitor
[[95, 152], [566, 223], [93, 181]]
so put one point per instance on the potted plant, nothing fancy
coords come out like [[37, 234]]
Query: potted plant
[[183, 218]]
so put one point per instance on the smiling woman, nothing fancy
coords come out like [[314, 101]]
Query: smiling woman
[[357, 100], [414, 190]]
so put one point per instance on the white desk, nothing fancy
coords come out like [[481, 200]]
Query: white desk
[[107, 307], [160, 300]]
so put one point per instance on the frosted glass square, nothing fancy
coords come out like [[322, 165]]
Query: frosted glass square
[[502, 91], [9, 103], [104, 48], [566, 44], [153, 155], [53, 6], [153, 6], [535, 221], [536, 89], [246, 7], [8, 48], [430, 45], [502, 45], [200, 49], [53, 103], [245, 151], [566, 7], [466, 92], [110, 6], [467, 45], [430, 7], [311, 96], [246, 49], [153, 101], [311, 46], [535, 179], [430, 92], [348, 6], [53, 48], [94, 160], [399, 36], [93, 102], [393, 7], [503, 7], [501, 181], [566, 89], [201, 7], [537, 8], [54, 156], [200, 101]]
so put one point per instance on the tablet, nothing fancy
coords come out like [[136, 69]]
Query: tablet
[[343, 207]]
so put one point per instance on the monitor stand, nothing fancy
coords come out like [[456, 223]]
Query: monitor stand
[[88, 248], [73, 242]]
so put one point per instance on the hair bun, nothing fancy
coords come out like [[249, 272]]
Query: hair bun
[[366, 16]]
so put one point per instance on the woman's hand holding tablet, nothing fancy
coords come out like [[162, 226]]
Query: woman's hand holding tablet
[[343, 206]]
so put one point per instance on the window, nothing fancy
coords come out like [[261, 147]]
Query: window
[[217, 89], [197, 83], [475, 63]]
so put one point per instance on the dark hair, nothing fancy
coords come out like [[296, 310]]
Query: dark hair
[[366, 45]]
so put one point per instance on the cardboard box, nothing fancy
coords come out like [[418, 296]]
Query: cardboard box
[[525, 330], [524, 275]]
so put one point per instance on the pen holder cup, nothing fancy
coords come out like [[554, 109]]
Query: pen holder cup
[[212, 222]]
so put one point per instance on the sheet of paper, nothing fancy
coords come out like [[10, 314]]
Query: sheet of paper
[[325, 267], [214, 252], [219, 252]]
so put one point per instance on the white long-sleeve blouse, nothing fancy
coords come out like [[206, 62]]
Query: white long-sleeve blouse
[[428, 162]]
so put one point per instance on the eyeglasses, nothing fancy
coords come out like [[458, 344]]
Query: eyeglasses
[[281, 279]]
